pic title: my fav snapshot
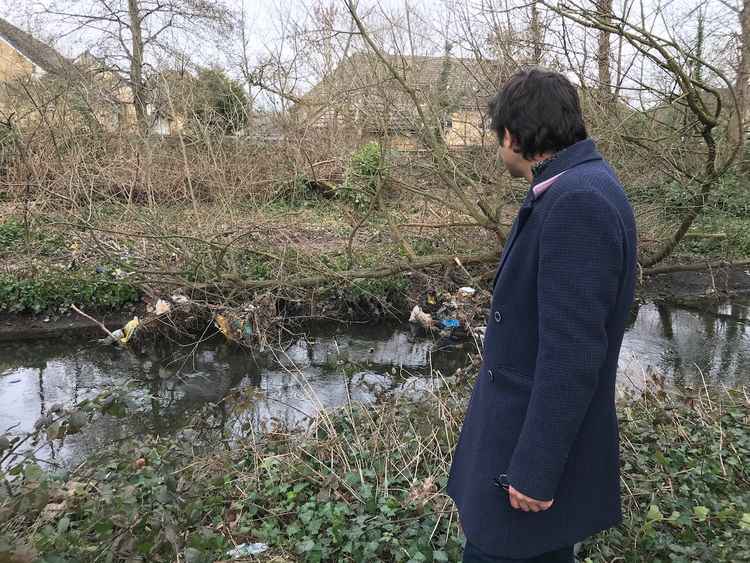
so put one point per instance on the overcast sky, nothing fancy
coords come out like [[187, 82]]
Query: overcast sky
[[267, 34]]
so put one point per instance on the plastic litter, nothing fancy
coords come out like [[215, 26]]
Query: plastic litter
[[450, 323], [223, 325], [162, 307], [118, 334], [122, 334], [234, 329], [129, 329], [420, 317], [431, 297], [247, 549], [178, 299], [466, 291]]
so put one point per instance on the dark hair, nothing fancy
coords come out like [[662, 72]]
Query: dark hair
[[540, 109]]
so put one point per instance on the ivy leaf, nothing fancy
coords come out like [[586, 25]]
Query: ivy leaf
[[63, 524], [306, 545], [701, 513], [745, 521], [654, 514]]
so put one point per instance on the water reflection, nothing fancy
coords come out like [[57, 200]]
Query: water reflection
[[689, 345], [166, 386]]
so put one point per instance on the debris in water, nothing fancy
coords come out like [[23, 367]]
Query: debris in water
[[223, 325], [129, 329], [234, 328], [115, 336], [162, 307], [420, 317], [467, 291]]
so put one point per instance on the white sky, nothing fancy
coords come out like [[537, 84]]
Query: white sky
[[268, 26]]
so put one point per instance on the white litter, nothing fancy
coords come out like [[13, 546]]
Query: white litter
[[162, 307], [178, 299], [246, 549], [419, 316]]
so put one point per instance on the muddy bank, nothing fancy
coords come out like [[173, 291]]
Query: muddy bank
[[29, 327], [707, 283]]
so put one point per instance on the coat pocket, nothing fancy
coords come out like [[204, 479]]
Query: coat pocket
[[514, 375]]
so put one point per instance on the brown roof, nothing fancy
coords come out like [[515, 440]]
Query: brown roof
[[362, 85], [36, 51]]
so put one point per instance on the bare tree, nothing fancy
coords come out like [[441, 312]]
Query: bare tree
[[130, 33], [743, 72], [604, 54], [742, 83], [537, 34], [683, 98]]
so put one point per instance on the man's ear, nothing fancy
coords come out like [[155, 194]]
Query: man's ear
[[510, 142]]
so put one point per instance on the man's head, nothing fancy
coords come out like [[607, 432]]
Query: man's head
[[536, 113]]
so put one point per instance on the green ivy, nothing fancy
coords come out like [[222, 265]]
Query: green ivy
[[58, 290], [361, 176], [685, 464], [11, 232]]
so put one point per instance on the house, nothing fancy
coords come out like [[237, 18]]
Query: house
[[99, 90], [22, 55], [363, 97]]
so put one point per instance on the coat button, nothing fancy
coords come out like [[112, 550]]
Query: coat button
[[492, 376], [498, 317]]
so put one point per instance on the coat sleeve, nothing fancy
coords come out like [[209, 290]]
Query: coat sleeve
[[580, 264]]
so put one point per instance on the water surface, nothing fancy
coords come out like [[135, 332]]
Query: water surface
[[324, 368]]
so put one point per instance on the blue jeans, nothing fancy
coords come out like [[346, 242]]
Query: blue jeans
[[472, 554]]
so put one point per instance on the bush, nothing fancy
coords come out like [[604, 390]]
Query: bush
[[221, 103], [360, 183]]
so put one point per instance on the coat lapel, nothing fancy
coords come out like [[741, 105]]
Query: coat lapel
[[583, 151], [521, 219]]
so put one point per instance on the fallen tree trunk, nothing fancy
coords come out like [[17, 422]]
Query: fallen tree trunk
[[418, 263], [694, 267], [421, 262]]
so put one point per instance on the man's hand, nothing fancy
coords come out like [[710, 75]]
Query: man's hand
[[520, 501]]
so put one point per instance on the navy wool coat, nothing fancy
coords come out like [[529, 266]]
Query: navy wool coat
[[543, 407]]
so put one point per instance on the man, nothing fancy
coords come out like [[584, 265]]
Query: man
[[536, 468]]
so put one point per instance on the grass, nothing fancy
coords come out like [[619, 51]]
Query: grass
[[216, 245]]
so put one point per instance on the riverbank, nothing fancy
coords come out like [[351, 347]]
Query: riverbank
[[301, 252], [701, 289], [367, 483]]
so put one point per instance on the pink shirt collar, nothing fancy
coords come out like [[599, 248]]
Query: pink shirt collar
[[542, 187]]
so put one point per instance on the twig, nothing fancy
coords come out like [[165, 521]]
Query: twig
[[99, 324]]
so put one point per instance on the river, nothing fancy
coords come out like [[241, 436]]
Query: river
[[326, 367]]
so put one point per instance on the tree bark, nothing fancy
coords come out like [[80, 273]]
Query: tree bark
[[536, 34], [743, 78], [604, 7], [137, 85]]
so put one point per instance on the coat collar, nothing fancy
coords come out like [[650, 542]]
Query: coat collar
[[578, 153]]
